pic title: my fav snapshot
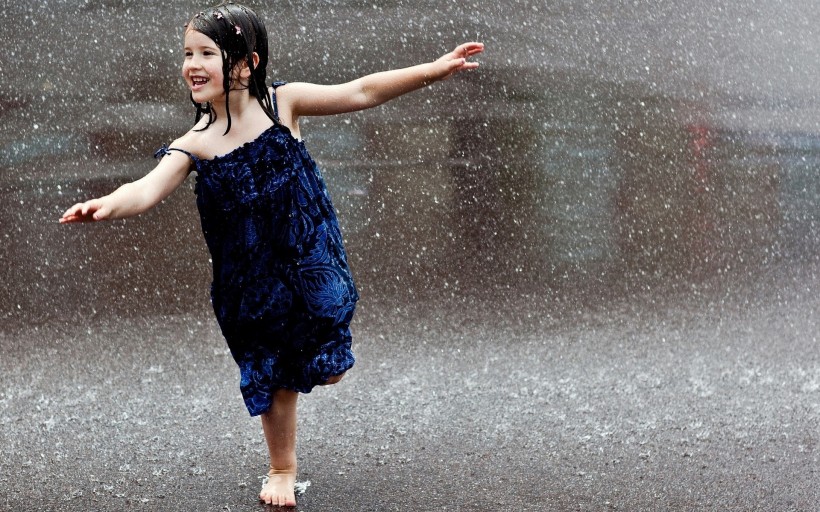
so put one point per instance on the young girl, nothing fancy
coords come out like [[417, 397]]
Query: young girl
[[282, 290]]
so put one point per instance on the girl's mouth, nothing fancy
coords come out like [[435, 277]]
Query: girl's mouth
[[198, 82]]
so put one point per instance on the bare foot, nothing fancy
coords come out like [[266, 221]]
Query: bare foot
[[278, 490]]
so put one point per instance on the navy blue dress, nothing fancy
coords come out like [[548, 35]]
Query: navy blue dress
[[282, 289]]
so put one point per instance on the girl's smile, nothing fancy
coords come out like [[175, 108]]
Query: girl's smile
[[197, 83]]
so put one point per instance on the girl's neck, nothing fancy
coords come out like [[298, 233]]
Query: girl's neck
[[241, 103]]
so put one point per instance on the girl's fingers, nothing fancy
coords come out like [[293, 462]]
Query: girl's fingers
[[68, 218], [71, 212], [86, 208], [469, 49], [83, 212], [100, 214]]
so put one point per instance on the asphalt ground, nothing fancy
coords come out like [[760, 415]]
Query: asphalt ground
[[707, 399]]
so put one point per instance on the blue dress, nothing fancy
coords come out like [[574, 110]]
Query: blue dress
[[282, 289]]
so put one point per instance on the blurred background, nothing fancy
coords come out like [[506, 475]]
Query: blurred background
[[603, 149]]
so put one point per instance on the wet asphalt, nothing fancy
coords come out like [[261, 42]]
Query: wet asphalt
[[706, 399]]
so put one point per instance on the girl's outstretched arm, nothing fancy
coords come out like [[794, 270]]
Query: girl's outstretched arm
[[136, 197], [305, 99]]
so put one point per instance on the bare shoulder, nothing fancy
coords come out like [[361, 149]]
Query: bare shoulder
[[285, 92], [289, 93], [194, 141]]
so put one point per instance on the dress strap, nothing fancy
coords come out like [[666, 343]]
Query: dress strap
[[164, 150], [274, 85]]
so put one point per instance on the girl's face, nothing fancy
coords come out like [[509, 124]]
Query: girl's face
[[202, 68]]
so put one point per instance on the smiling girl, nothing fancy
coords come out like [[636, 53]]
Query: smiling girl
[[282, 289]]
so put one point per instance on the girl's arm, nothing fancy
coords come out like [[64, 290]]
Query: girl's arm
[[303, 99], [136, 197]]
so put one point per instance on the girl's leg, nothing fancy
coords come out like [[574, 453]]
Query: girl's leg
[[334, 380], [279, 426]]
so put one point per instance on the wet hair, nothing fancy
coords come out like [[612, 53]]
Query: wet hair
[[238, 32]]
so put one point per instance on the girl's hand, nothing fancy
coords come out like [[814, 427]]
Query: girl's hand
[[88, 211], [456, 60]]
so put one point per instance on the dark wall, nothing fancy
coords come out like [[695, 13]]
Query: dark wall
[[587, 152]]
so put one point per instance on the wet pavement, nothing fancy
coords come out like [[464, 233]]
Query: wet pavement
[[703, 399]]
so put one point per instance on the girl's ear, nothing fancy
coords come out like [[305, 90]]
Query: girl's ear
[[244, 69]]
